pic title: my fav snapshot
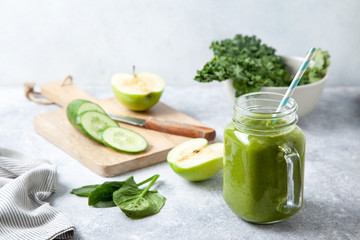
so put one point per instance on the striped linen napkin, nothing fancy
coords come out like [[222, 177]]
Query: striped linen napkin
[[25, 181]]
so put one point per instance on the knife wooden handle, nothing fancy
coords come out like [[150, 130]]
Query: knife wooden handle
[[182, 129]]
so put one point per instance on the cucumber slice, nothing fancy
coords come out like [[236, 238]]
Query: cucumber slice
[[78, 106], [123, 140], [92, 122]]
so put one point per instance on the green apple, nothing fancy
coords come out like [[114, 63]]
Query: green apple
[[196, 160], [138, 92]]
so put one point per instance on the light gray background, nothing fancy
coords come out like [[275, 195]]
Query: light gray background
[[42, 41]]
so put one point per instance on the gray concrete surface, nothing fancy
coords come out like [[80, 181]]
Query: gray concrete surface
[[197, 210]]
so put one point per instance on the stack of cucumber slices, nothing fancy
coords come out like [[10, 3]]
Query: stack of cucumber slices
[[92, 121]]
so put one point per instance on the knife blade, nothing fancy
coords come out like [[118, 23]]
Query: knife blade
[[168, 126]]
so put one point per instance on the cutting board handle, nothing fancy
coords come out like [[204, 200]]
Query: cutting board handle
[[63, 92]]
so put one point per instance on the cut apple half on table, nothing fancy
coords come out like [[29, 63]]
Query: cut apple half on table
[[196, 160], [138, 92]]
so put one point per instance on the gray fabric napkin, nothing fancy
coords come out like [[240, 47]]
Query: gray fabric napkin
[[25, 181]]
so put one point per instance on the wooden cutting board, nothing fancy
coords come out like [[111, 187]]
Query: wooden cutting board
[[103, 160]]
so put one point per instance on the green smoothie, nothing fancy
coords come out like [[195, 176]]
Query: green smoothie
[[255, 171]]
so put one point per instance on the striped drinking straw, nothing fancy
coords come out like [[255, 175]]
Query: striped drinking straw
[[296, 80]]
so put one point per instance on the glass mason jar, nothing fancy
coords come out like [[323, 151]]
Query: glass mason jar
[[264, 158]]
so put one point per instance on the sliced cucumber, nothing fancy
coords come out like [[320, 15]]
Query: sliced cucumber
[[78, 106], [92, 122], [123, 140]]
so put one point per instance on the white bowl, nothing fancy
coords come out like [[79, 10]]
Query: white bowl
[[306, 96]]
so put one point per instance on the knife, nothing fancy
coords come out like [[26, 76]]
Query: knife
[[168, 126]]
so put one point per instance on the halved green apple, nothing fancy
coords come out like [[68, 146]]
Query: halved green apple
[[138, 92], [196, 160]]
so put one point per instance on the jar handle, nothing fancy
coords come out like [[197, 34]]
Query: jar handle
[[294, 180]]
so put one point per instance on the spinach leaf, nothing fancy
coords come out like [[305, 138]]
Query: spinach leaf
[[138, 203], [102, 196], [134, 202], [84, 191]]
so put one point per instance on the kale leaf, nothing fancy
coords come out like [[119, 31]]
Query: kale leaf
[[318, 71], [252, 65]]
